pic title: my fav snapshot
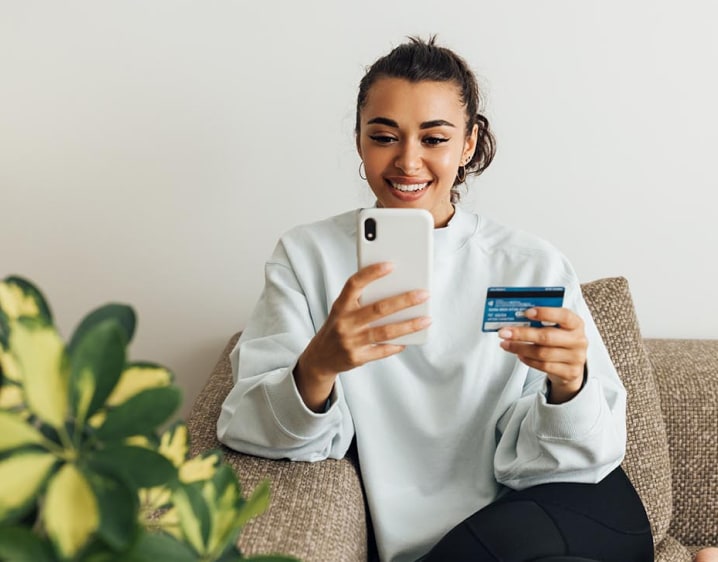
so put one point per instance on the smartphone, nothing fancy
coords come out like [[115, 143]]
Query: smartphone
[[405, 238]]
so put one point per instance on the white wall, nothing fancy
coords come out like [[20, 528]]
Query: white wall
[[151, 152]]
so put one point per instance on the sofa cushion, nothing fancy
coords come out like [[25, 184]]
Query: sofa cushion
[[647, 462], [687, 377]]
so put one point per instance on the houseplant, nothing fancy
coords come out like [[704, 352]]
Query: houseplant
[[85, 473]]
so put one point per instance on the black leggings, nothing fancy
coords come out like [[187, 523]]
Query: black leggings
[[559, 522]]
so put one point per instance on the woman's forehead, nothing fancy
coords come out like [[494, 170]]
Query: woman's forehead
[[425, 100]]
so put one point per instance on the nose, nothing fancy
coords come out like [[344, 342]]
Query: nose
[[409, 158]]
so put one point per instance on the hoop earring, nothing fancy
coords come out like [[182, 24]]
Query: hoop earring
[[461, 174], [361, 165]]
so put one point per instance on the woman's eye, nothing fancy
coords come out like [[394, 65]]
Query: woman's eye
[[433, 141], [381, 139]]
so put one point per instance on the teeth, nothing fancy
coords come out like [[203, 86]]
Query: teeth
[[410, 187]]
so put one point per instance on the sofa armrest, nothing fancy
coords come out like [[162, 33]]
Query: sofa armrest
[[316, 510], [686, 372]]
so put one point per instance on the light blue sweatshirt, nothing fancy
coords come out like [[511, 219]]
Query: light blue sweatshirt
[[440, 428]]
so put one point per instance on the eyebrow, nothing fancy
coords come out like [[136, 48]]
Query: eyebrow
[[425, 125]]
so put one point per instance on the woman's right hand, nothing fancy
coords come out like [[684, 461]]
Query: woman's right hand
[[346, 340]]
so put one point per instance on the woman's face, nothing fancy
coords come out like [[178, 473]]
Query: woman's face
[[412, 139]]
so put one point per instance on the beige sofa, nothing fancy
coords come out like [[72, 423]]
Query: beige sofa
[[317, 510]]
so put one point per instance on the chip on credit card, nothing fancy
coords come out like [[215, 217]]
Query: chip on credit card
[[506, 306]]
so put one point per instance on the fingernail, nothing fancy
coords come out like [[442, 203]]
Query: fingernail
[[424, 321], [504, 344], [505, 333], [422, 295], [531, 312]]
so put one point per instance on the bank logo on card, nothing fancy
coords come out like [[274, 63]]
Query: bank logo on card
[[506, 306]]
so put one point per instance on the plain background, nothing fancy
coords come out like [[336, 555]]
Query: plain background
[[152, 151]]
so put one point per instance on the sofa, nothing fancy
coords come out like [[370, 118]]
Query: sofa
[[317, 510]]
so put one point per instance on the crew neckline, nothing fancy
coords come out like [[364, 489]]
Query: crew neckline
[[460, 228]]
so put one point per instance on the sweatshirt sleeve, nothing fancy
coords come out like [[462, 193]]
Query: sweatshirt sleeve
[[581, 440], [264, 415]]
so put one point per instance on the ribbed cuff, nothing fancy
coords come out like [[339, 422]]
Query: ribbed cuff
[[573, 419], [290, 411]]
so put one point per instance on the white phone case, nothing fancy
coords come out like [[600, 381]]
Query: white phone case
[[405, 238]]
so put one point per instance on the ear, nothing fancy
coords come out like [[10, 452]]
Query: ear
[[470, 143], [356, 140]]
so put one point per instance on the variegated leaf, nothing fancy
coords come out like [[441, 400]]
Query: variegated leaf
[[174, 443], [40, 354], [121, 314], [19, 297], [16, 432], [255, 505], [201, 467], [193, 515], [138, 377], [97, 361], [21, 478], [144, 411], [71, 513], [9, 367]]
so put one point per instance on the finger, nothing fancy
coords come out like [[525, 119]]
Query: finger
[[380, 351], [564, 317], [528, 351], [379, 334], [549, 337], [357, 282], [561, 372], [384, 307]]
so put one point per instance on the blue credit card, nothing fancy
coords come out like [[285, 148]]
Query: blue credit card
[[506, 306]]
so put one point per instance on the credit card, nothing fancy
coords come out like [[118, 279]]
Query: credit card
[[506, 306]]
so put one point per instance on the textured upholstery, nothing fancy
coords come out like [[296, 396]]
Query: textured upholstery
[[687, 375], [317, 509], [647, 463]]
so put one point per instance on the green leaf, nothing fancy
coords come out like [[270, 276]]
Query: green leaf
[[20, 298], [200, 467], [137, 466], [123, 314], [231, 554], [142, 412], [255, 505], [137, 377], [194, 515], [97, 360], [19, 544], [4, 332], [174, 443], [21, 479], [223, 495], [119, 506], [40, 355], [16, 432], [11, 397], [154, 547], [9, 368], [71, 513]]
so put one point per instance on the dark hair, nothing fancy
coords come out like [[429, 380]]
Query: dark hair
[[418, 61]]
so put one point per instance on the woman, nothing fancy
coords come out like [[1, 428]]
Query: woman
[[472, 446]]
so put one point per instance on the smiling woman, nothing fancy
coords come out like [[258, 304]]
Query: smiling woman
[[473, 445], [412, 140], [422, 113]]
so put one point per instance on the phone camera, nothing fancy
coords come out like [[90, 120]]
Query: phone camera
[[370, 229]]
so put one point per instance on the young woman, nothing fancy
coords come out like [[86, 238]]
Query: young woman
[[474, 446]]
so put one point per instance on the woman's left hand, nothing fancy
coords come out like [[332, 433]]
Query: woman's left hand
[[558, 351]]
